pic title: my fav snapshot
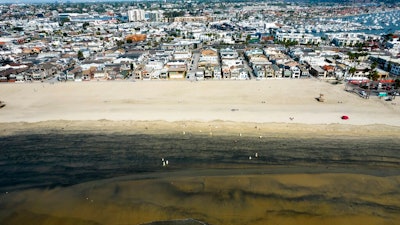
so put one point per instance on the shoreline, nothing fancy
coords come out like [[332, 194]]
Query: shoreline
[[95, 150], [210, 128]]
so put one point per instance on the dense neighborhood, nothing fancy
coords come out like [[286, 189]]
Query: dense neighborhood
[[197, 40]]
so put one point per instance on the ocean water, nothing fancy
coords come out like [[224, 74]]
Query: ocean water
[[61, 159], [388, 21], [118, 178]]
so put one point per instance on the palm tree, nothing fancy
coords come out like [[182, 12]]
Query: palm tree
[[374, 65], [352, 70], [373, 76], [397, 83], [80, 55]]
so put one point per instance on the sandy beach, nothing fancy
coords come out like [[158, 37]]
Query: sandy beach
[[269, 101], [359, 186]]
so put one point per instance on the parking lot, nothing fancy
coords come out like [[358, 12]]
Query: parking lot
[[376, 89]]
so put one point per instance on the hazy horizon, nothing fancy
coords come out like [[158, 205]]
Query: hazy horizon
[[95, 1]]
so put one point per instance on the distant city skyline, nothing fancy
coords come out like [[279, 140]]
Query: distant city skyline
[[94, 1], [54, 1]]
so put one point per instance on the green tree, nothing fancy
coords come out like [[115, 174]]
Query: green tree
[[388, 37], [397, 83], [374, 65], [373, 75], [120, 43], [18, 29], [174, 14], [359, 46], [64, 20], [80, 55], [352, 70], [85, 25], [248, 38]]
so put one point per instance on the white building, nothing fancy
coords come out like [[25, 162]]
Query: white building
[[349, 39], [136, 15], [301, 38], [154, 16], [182, 55], [296, 72], [232, 62], [229, 53], [394, 46]]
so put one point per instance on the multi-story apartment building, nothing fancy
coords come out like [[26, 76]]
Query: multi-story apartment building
[[136, 15], [395, 68], [301, 38]]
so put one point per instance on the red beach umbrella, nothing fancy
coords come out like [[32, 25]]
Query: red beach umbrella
[[345, 117]]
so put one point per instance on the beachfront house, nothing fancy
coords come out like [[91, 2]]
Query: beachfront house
[[296, 72], [305, 73], [208, 73], [226, 72], [199, 74], [147, 72], [234, 73], [278, 72], [208, 57], [330, 71], [70, 76], [287, 73], [269, 71], [176, 69], [259, 71], [318, 72], [243, 74], [164, 73], [138, 72], [217, 73], [100, 75]]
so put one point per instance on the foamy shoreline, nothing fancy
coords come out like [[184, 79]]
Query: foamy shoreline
[[210, 128]]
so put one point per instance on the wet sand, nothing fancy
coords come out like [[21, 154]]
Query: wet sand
[[230, 199], [209, 128], [326, 187]]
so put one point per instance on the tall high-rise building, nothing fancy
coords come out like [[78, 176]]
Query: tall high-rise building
[[153, 16], [136, 15]]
